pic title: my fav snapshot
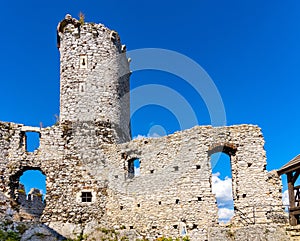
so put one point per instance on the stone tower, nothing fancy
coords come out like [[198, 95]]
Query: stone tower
[[94, 78]]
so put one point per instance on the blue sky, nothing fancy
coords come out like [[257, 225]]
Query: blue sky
[[250, 49]]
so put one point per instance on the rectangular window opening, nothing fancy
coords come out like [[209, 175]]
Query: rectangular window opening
[[86, 197], [133, 168], [31, 141]]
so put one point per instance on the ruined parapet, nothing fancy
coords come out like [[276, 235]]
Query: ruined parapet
[[31, 205], [94, 85], [174, 183]]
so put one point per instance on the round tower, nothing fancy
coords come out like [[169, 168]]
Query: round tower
[[94, 78]]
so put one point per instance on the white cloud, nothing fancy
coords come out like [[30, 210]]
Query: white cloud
[[222, 189], [285, 197], [139, 137], [150, 135], [225, 214]]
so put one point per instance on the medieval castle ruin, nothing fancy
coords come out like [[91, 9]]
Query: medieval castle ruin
[[88, 158]]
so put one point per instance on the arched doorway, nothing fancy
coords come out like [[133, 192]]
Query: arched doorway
[[222, 185], [30, 195]]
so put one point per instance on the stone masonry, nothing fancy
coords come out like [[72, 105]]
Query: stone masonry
[[31, 205], [87, 156]]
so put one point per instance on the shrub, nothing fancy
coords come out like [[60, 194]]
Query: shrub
[[9, 236]]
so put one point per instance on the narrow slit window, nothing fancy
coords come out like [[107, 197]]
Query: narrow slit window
[[86, 197], [131, 169], [83, 62]]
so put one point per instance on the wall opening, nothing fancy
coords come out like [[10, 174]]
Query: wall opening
[[31, 141], [34, 179], [220, 159], [133, 168], [86, 197], [83, 62], [28, 188]]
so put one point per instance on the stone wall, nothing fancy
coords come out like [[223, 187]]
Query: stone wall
[[174, 184], [173, 189], [31, 204]]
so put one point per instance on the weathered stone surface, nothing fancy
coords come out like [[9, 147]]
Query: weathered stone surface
[[250, 233], [40, 233]]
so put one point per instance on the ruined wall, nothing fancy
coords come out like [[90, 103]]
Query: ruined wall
[[172, 191], [174, 184], [66, 175], [85, 155], [31, 204]]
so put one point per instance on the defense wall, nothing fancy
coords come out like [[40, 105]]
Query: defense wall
[[173, 189], [64, 167], [172, 192]]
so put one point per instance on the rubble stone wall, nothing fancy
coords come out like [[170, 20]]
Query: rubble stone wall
[[174, 184], [173, 189]]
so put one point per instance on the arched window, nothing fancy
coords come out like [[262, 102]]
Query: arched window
[[34, 179]]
